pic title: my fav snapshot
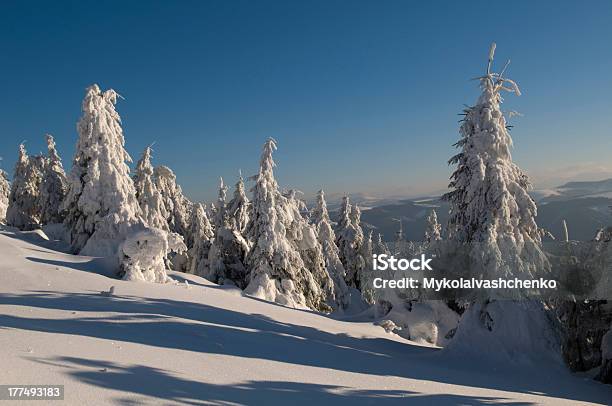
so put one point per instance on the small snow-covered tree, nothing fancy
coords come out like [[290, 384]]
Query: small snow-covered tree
[[327, 238], [276, 269], [23, 209], [5, 190], [303, 236], [54, 186], [350, 241], [177, 207], [433, 229], [148, 196], [201, 233], [379, 246], [229, 248], [238, 208]]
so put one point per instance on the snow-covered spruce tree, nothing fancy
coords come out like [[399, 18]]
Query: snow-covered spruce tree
[[177, 207], [201, 233], [149, 198], [238, 208], [327, 237], [303, 236], [492, 214], [103, 216], [276, 269], [489, 202], [101, 202], [23, 209], [53, 188], [229, 248], [5, 190], [433, 229], [379, 247], [350, 239]]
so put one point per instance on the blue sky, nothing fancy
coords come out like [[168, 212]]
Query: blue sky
[[361, 96]]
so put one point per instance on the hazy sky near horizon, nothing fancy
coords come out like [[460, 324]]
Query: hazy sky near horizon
[[361, 96]]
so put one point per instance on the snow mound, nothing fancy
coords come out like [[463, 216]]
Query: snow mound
[[507, 332]]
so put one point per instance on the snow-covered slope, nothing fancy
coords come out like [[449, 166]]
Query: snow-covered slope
[[204, 344]]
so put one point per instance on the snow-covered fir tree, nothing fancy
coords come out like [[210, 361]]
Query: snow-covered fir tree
[[433, 230], [238, 208], [350, 239], [101, 201], [148, 196], [493, 215], [303, 236], [23, 209], [103, 216], [54, 186], [201, 235], [327, 238], [177, 207], [229, 248], [490, 206], [276, 269], [379, 247], [5, 190]]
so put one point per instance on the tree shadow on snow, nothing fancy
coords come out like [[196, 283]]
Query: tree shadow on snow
[[97, 265], [202, 328], [139, 380]]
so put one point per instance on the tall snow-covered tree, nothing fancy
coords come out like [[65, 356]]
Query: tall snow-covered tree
[[54, 186], [433, 229], [492, 214], [490, 206], [327, 237], [103, 216], [148, 196], [23, 209], [5, 190], [177, 206], [101, 202], [276, 269]]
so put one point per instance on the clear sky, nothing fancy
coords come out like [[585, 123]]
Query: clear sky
[[361, 96]]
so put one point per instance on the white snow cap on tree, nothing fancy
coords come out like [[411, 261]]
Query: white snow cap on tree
[[54, 186], [5, 190], [23, 209], [489, 202], [433, 229], [149, 197], [277, 271], [101, 201]]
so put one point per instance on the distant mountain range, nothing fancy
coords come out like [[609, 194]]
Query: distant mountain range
[[585, 206]]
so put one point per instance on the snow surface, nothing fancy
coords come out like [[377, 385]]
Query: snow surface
[[200, 343]]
